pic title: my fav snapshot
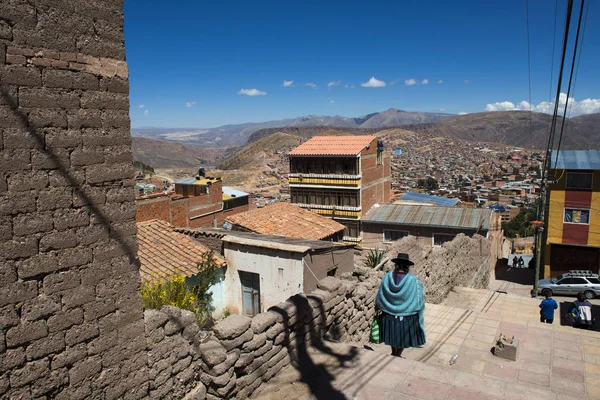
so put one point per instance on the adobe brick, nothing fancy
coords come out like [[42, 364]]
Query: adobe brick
[[24, 181], [69, 357], [58, 241], [73, 177], [17, 60], [54, 159], [81, 333], [12, 205], [57, 20], [118, 154], [17, 292], [10, 91], [10, 119], [38, 265], [87, 156], [12, 359], [91, 234], [120, 195], [15, 160], [84, 369], [107, 250], [75, 66], [84, 119], [25, 333], [55, 198], [65, 319], [105, 100], [54, 343], [8, 273], [21, 139], [63, 138], [124, 229], [97, 309], [71, 218], [45, 118], [28, 224], [3, 48], [19, 248], [60, 281], [60, 64], [118, 212], [67, 56], [31, 372], [114, 84], [106, 137], [116, 119], [43, 39], [15, 50], [86, 195], [41, 62], [20, 14], [47, 98], [78, 296], [96, 46], [40, 307], [108, 172], [5, 31], [74, 257], [20, 75], [8, 316], [69, 80]]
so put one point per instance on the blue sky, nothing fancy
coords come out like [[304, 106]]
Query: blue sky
[[190, 60]]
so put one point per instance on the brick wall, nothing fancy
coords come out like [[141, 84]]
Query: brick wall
[[71, 320], [157, 208]]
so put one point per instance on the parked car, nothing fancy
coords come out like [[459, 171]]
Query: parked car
[[572, 283]]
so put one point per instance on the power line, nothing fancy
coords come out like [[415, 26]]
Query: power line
[[562, 127], [528, 69]]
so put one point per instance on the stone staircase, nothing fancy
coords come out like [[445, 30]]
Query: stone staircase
[[554, 362]]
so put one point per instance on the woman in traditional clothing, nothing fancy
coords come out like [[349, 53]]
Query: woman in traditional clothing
[[401, 300]]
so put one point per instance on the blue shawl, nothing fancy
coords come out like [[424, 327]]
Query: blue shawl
[[402, 300]]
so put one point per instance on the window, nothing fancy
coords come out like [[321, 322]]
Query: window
[[441, 238], [595, 281], [574, 216], [390, 236], [579, 281], [579, 180]]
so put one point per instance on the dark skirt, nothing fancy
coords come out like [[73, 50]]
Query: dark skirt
[[401, 332]]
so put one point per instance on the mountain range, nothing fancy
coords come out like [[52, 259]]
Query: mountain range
[[237, 135]]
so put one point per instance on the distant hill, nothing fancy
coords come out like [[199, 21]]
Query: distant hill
[[256, 153], [161, 154], [513, 128], [236, 135], [310, 131]]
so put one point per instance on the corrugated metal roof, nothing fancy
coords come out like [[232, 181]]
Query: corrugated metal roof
[[469, 218], [576, 159], [332, 146], [193, 181], [426, 198]]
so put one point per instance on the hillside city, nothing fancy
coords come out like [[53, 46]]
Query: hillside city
[[222, 201]]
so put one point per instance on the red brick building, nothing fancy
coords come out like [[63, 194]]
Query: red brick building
[[197, 202], [340, 177]]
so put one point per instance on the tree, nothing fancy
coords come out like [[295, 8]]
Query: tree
[[521, 224]]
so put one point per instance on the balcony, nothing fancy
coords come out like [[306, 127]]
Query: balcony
[[324, 180], [333, 211]]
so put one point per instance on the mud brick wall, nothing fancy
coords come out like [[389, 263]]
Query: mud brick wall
[[71, 319]]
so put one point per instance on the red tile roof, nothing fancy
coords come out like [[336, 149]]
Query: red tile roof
[[164, 252], [332, 146], [286, 220]]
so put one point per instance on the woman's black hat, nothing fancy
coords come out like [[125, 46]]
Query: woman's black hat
[[402, 259]]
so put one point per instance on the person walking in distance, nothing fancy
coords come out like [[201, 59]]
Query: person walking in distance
[[401, 300], [547, 308]]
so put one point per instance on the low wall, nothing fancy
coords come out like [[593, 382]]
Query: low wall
[[455, 263]]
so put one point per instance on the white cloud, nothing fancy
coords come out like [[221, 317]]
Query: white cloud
[[190, 103], [332, 101], [462, 113], [311, 85], [146, 113], [333, 83], [141, 106], [425, 82], [288, 83], [349, 86], [252, 92], [442, 109], [410, 82], [440, 81], [467, 81], [586, 106], [374, 83]]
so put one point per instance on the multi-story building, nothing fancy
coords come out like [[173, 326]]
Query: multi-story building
[[340, 177], [573, 220]]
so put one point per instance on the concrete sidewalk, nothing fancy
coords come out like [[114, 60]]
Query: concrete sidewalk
[[554, 362]]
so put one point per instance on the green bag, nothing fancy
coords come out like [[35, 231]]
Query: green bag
[[375, 329]]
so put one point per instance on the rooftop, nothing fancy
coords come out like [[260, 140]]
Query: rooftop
[[195, 181], [426, 198], [332, 146], [576, 159], [286, 220], [465, 218], [230, 193], [164, 252]]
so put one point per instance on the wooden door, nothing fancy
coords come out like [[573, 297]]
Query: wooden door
[[250, 293]]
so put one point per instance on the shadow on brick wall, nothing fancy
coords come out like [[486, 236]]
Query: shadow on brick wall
[[63, 170], [304, 326]]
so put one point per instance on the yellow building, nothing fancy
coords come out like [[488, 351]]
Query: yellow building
[[573, 231]]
